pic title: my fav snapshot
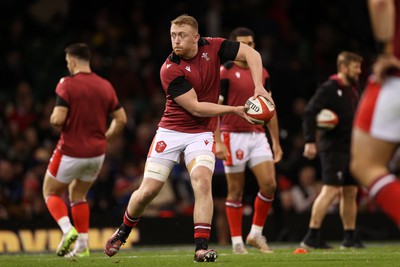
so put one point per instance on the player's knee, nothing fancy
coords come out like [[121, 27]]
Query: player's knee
[[268, 187], [349, 192], [203, 160], [235, 195]]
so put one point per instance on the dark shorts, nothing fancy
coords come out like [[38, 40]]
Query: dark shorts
[[335, 169]]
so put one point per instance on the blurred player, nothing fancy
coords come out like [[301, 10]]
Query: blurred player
[[84, 102], [376, 133], [339, 94], [190, 78], [241, 144]]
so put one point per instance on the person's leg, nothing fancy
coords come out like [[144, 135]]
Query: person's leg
[[81, 216], [319, 209], [52, 192], [348, 214], [348, 207], [155, 176], [265, 175], [203, 204], [370, 158], [140, 199], [375, 137], [201, 169], [234, 210]]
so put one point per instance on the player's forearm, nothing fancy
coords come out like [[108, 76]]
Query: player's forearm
[[115, 128], [273, 128], [117, 124], [217, 132], [254, 62], [382, 14], [207, 109]]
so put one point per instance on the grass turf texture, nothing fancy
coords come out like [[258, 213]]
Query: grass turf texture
[[376, 254]]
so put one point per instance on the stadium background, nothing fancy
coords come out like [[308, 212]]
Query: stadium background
[[298, 40]]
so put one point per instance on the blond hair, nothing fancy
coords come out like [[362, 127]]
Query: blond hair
[[186, 20]]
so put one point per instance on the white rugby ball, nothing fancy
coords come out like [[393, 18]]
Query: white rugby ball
[[260, 110], [327, 119]]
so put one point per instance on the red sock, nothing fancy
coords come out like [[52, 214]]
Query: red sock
[[81, 215], [202, 230], [262, 204], [386, 192], [234, 214], [129, 221], [56, 207]]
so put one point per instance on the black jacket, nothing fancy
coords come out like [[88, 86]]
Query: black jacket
[[342, 100]]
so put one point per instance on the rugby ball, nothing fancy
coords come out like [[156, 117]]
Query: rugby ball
[[327, 119], [260, 110]]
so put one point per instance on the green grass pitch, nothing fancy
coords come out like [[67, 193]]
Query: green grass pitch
[[376, 254]]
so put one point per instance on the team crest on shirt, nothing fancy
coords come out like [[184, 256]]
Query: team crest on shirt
[[237, 74], [168, 65], [205, 56], [160, 146], [187, 68], [239, 154], [339, 92]]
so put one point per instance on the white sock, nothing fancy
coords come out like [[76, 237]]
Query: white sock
[[82, 241], [236, 240], [65, 224], [256, 230]]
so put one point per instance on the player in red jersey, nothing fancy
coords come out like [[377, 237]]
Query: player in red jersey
[[376, 130], [241, 144], [83, 105], [190, 78]]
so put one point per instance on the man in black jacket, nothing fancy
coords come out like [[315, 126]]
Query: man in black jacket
[[339, 94]]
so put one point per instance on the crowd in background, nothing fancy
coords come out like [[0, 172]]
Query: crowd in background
[[129, 41]]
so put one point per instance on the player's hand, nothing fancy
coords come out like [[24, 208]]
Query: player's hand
[[278, 153], [383, 65], [241, 112], [221, 151], [310, 150], [262, 92]]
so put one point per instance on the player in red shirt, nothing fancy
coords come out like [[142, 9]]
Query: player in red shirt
[[241, 144], [190, 78], [83, 105], [376, 131]]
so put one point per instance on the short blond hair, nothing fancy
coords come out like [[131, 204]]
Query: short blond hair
[[186, 20]]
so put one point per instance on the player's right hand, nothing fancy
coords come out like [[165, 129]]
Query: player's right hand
[[221, 151], [310, 150], [241, 111]]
